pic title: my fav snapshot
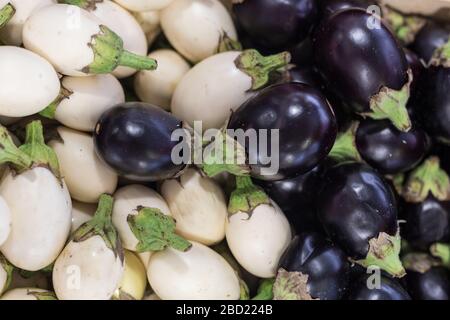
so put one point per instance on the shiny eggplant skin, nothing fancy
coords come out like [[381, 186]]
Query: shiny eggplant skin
[[330, 7], [428, 39], [134, 139], [433, 284], [304, 75], [416, 65], [276, 24], [326, 265], [306, 123], [355, 204], [390, 289], [388, 149], [427, 222], [357, 61]]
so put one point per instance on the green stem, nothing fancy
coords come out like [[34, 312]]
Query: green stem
[[50, 110], [265, 290], [441, 251], [344, 148], [247, 196], [9, 153], [6, 13], [129, 59], [228, 44], [425, 179]]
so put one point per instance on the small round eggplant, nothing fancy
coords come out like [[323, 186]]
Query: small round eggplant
[[135, 140], [276, 24], [364, 64], [358, 211], [323, 267], [428, 39], [330, 7], [389, 289], [307, 128]]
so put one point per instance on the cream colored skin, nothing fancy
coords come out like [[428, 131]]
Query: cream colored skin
[[91, 96], [211, 90], [198, 274], [258, 242], [126, 201], [125, 25], [60, 33], [157, 86], [22, 294], [149, 21], [41, 217], [143, 5], [5, 221], [134, 279], [144, 257], [81, 213], [194, 27], [11, 34], [198, 205], [87, 177], [29, 83], [87, 270]]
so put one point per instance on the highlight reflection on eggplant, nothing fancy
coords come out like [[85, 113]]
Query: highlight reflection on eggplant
[[389, 289]]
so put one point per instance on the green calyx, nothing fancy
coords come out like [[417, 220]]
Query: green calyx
[[246, 197], [50, 110], [6, 13], [44, 295], [441, 56], [404, 27], [89, 5], [258, 67], [425, 179], [101, 225], [391, 104], [155, 231], [344, 148], [109, 54], [265, 290], [9, 268], [384, 253], [291, 286], [441, 251], [10, 154], [419, 262], [228, 44]]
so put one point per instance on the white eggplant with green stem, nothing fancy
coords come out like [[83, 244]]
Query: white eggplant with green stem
[[87, 177], [143, 5], [38, 198], [218, 85], [198, 28], [28, 294], [76, 42]]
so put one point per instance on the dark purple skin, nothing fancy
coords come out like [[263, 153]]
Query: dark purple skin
[[355, 204], [302, 54], [427, 222], [416, 66], [357, 61], [134, 139], [434, 284], [428, 39], [306, 123], [306, 75], [330, 7], [326, 266], [390, 289], [276, 24], [388, 149]]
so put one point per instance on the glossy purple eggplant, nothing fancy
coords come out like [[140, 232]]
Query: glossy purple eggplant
[[134, 139], [306, 123], [306, 75], [330, 7], [433, 284], [428, 39], [276, 24], [389, 289], [326, 266]]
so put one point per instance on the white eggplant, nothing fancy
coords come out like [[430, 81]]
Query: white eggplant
[[149, 21], [143, 5], [198, 205], [87, 177], [195, 28], [134, 279], [84, 99], [29, 83], [91, 265], [197, 274], [11, 34], [218, 85], [77, 43], [157, 87], [28, 294], [81, 213], [5, 220]]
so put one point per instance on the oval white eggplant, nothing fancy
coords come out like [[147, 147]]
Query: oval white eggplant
[[11, 34], [198, 205], [196, 27], [41, 217], [5, 221], [127, 201], [197, 274], [81, 213], [150, 24], [89, 98], [257, 242], [29, 83], [157, 86], [87, 177], [143, 5], [28, 294], [134, 279]]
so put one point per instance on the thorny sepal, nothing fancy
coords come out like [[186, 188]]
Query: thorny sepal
[[291, 286], [344, 148], [50, 110], [44, 295], [425, 179], [6, 13], [384, 253], [441, 251], [10, 153], [109, 54], [265, 290], [258, 67], [155, 231], [391, 104], [37, 150], [441, 56], [228, 44], [101, 225], [9, 268], [246, 197], [89, 5], [419, 262], [405, 27]]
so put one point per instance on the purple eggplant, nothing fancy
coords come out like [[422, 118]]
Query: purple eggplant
[[430, 38], [330, 7], [389, 289]]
